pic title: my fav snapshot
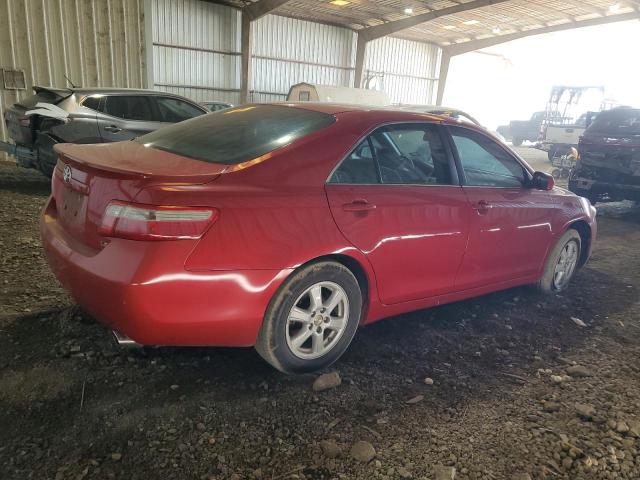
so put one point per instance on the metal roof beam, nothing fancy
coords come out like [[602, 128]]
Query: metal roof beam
[[260, 8], [389, 28], [250, 13], [490, 42]]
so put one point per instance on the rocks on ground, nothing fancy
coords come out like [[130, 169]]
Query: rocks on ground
[[362, 451], [327, 381], [578, 371], [330, 448], [441, 472], [585, 410]]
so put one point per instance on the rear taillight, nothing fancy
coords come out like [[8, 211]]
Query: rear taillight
[[24, 120], [144, 222]]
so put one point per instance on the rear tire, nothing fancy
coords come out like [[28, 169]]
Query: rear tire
[[517, 141], [311, 319], [562, 263]]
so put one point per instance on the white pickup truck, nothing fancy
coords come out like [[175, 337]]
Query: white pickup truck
[[557, 139]]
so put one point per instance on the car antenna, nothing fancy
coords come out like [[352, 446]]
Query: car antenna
[[70, 82]]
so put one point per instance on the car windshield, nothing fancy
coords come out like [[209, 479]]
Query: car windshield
[[237, 135], [624, 121]]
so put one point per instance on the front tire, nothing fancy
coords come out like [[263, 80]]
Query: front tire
[[561, 263], [311, 319]]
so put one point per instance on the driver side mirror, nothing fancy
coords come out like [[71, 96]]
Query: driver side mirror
[[542, 181]]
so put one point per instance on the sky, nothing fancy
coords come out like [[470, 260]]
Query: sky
[[513, 80]]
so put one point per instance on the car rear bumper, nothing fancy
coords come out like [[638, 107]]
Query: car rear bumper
[[142, 290], [25, 156]]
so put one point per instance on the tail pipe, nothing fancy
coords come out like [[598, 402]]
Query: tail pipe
[[124, 341]]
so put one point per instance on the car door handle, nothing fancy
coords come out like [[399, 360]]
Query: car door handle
[[112, 129], [359, 205], [482, 207]]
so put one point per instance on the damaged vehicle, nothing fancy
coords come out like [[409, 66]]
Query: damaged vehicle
[[86, 115], [608, 168]]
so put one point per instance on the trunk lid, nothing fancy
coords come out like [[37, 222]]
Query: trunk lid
[[19, 126], [88, 177]]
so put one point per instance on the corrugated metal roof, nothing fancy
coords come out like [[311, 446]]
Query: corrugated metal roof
[[479, 23]]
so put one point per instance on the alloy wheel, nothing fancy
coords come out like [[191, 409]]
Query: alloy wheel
[[566, 265], [317, 320]]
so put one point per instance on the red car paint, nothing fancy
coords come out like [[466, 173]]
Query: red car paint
[[417, 246]]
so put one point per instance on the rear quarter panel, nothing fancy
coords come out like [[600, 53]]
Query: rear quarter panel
[[274, 214]]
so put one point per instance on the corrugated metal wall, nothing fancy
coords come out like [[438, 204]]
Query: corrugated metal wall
[[196, 53], [93, 42], [287, 51], [407, 71], [196, 49]]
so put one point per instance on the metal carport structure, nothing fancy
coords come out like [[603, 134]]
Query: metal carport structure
[[456, 26]]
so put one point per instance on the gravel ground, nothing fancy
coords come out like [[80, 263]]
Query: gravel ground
[[513, 385]]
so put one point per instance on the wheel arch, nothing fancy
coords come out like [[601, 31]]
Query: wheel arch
[[364, 277], [584, 230]]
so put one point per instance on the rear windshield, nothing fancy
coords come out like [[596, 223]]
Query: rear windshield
[[624, 121], [237, 135]]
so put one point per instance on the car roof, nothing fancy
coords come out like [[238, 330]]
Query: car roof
[[382, 114], [98, 90], [103, 90]]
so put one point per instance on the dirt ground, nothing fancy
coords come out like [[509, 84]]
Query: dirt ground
[[519, 390]]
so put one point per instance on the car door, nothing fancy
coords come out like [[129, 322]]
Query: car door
[[511, 223], [124, 117], [396, 197]]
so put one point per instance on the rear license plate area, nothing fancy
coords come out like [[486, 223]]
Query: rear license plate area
[[71, 209]]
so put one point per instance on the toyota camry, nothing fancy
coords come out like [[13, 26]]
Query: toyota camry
[[287, 226]]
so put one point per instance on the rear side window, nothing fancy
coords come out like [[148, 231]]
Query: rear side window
[[617, 122], [359, 167], [173, 110], [401, 154], [129, 107], [239, 134]]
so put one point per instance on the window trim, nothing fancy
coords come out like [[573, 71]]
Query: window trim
[[461, 175], [445, 137]]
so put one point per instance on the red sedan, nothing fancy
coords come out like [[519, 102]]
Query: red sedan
[[285, 226]]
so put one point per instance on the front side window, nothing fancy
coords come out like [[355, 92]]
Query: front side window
[[411, 154], [484, 162], [239, 134], [92, 102], [129, 107], [173, 110], [216, 107]]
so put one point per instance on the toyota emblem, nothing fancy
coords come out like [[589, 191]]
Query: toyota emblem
[[66, 174]]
